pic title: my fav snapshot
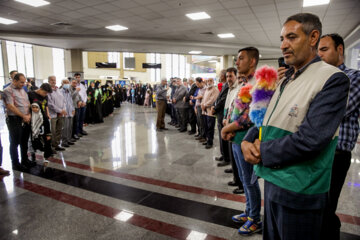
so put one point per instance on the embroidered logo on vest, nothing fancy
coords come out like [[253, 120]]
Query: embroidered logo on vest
[[294, 111]]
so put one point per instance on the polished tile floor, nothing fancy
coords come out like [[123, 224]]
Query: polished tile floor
[[127, 181]]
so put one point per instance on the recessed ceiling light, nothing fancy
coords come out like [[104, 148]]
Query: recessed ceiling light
[[7, 21], [198, 16], [310, 3], [34, 3], [212, 61], [116, 27], [226, 35], [195, 52], [260, 55]]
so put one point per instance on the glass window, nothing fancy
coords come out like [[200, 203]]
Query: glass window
[[58, 64], [177, 66], [114, 57], [155, 72], [20, 58], [127, 55]]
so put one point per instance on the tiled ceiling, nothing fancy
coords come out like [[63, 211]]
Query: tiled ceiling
[[254, 22]]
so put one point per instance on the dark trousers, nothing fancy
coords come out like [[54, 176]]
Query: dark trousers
[[204, 124], [220, 125], [192, 119], [236, 177], [75, 122], [183, 118], [81, 119], [173, 114], [161, 109], [331, 222], [1, 152], [210, 129], [19, 133], [282, 222], [201, 129]]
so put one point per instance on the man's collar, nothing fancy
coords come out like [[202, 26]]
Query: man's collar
[[291, 70], [342, 67]]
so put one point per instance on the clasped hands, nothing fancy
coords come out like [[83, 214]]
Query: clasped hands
[[251, 151]]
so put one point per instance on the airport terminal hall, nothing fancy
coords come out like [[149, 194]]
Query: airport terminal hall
[[179, 119]]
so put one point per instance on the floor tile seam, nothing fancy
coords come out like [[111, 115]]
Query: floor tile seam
[[154, 188], [161, 183], [345, 217], [25, 185]]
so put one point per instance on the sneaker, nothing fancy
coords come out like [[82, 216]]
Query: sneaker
[[241, 218], [250, 227]]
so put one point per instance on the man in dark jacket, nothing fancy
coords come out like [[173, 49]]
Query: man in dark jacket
[[218, 110], [192, 116]]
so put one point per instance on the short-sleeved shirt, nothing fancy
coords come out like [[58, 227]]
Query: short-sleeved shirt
[[18, 97]]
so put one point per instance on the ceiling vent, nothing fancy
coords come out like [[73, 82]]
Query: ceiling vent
[[207, 33], [61, 24]]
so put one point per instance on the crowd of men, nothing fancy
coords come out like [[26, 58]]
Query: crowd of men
[[303, 155]]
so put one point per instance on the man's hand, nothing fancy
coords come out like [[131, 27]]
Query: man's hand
[[73, 113], [27, 118], [212, 110], [251, 152], [79, 104], [63, 113], [184, 99], [78, 89], [174, 100], [48, 138], [191, 103], [83, 104]]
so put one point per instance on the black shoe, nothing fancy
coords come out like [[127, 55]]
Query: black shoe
[[197, 135], [233, 184], [204, 143], [60, 149], [182, 130], [191, 133], [73, 140], [238, 191], [70, 143], [170, 123], [65, 145], [76, 137], [229, 170], [164, 128], [223, 164], [208, 146], [198, 138], [84, 133], [19, 167], [221, 158], [79, 135], [177, 126], [158, 130]]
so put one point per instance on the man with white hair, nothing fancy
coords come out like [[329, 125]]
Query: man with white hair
[[57, 111], [161, 104]]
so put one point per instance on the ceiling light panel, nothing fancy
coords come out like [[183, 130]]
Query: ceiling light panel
[[116, 27], [34, 3], [310, 3], [7, 21], [226, 35], [198, 16], [195, 52]]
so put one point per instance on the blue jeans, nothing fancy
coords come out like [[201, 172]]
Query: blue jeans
[[252, 190], [81, 118]]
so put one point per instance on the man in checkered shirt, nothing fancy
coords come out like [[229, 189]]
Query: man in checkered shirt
[[331, 50]]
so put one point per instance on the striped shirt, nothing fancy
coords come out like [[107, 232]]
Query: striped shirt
[[349, 128], [18, 97]]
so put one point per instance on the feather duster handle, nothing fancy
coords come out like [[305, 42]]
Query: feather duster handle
[[261, 93]]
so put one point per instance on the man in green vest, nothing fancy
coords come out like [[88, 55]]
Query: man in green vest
[[295, 148]]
